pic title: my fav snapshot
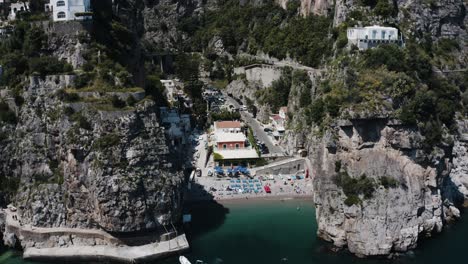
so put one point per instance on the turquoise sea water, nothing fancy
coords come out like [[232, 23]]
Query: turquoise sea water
[[284, 232]]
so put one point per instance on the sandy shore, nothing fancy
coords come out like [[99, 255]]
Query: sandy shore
[[278, 198], [222, 190]]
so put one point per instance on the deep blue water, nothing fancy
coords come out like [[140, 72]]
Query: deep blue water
[[273, 231]]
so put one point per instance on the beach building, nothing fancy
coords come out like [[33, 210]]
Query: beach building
[[69, 10], [228, 126], [372, 36], [177, 125], [16, 8], [230, 141], [230, 146]]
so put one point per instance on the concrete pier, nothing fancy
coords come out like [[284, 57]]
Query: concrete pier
[[125, 254], [43, 244]]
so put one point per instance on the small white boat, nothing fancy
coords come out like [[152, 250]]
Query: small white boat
[[184, 260]]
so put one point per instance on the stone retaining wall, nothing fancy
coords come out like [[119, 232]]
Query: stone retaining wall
[[122, 95], [291, 167]]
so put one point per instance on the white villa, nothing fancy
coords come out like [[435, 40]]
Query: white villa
[[69, 10], [17, 7], [369, 37]]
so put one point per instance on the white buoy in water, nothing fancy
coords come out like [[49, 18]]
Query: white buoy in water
[[184, 260]]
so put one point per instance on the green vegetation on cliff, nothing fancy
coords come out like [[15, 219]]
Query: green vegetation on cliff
[[354, 188], [389, 80], [361, 187], [24, 53], [225, 115], [266, 27], [277, 95]]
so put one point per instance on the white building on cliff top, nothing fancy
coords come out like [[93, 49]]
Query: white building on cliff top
[[369, 37], [69, 10]]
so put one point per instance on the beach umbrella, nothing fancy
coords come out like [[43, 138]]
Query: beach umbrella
[[219, 170]]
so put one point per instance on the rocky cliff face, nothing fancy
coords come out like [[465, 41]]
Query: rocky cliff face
[[426, 188], [457, 185], [71, 159], [395, 216], [156, 21], [416, 18], [316, 7], [86, 168]]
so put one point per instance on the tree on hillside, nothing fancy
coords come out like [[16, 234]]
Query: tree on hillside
[[36, 6]]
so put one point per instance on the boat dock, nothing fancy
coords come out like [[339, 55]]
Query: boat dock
[[125, 254], [63, 243]]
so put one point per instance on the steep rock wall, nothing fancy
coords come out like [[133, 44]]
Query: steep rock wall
[[457, 186], [90, 169], [307, 7], [396, 216]]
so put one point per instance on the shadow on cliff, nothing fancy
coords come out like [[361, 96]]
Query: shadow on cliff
[[207, 213]]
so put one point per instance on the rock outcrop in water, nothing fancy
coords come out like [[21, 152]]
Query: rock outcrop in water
[[378, 190], [457, 186], [406, 200]]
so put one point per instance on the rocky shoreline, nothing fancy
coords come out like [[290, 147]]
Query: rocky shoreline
[[409, 195]]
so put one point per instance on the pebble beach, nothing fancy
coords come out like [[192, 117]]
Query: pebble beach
[[243, 188]]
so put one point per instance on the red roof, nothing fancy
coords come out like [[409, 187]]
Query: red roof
[[284, 109], [228, 124]]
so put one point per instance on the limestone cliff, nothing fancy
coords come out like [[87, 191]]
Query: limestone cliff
[[416, 18], [457, 185], [407, 199], [411, 192], [316, 7], [72, 159], [87, 168]]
